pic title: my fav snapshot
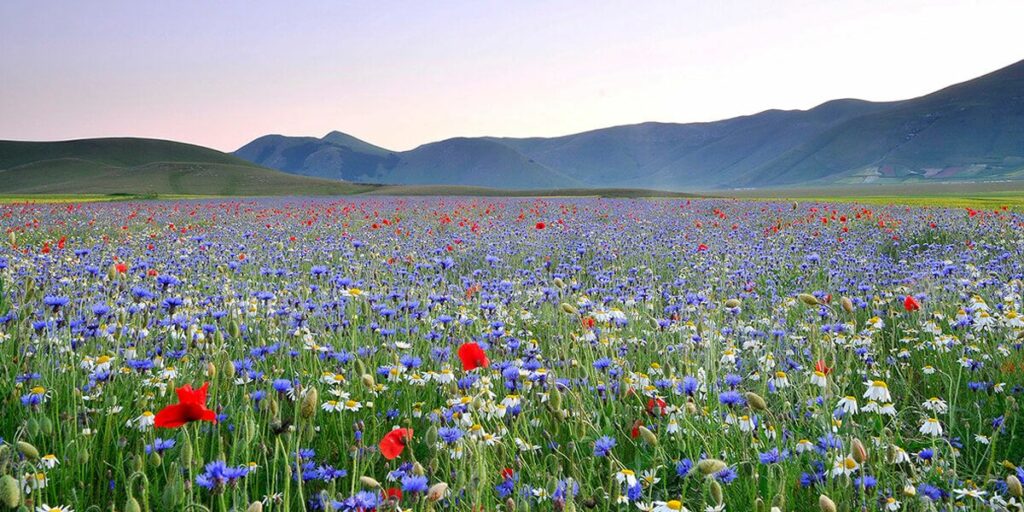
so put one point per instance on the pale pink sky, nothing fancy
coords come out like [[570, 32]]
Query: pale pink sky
[[399, 74]]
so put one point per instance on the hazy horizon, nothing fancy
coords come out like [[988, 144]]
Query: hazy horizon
[[401, 74]]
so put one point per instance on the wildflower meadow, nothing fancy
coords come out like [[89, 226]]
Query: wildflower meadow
[[468, 354]]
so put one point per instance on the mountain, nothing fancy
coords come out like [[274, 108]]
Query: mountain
[[458, 161], [335, 156], [694, 155], [969, 131], [972, 131], [475, 162], [144, 166]]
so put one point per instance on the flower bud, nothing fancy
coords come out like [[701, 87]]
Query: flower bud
[[755, 401], [27, 449], [10, 491], [732, 303], [1013, 485], [310, 402], [132, 505], [808, 299], [186, 455], [858, 451], [570, 309], [716, 491], [826, 504], [710, 466], [369, 482], [847, 304], [647, 435], [555, 399], [437, 492]]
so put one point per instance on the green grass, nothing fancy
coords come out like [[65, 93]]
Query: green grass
[[982, 195]]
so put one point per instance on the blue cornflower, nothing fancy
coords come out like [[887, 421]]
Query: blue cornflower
[[159, 445], [218, 474], [282, 385], [56, 302], [603, 446], [635, 492], [865, 481], [727, 475], [930, 491], [414, 483], [684, 467], [773, 456], [449, 434], [731, 398]]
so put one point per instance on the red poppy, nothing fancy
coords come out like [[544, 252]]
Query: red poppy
[[121, 268], [635, 432], [911, 304], [472, 356], [392, 444], [541, 225], [588, 322], [822, 367], [702, 248], [61, 242], [46, 249], [392, 492], [191, 407], [656, 407], [507, 473]]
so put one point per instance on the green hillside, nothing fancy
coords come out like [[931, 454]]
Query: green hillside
[[145, 166]]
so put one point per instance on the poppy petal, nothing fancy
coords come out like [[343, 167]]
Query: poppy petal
[[472, 356], [172, 416], [392, 444]]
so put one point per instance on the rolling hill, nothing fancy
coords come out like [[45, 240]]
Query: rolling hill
[[144, 166], [973, 131]]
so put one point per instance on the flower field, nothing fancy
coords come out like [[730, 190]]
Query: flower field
[[510, 354]]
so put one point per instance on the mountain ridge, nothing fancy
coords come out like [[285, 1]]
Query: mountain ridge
[[970, 131]]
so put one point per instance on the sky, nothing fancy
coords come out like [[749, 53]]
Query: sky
[[401, 74]]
